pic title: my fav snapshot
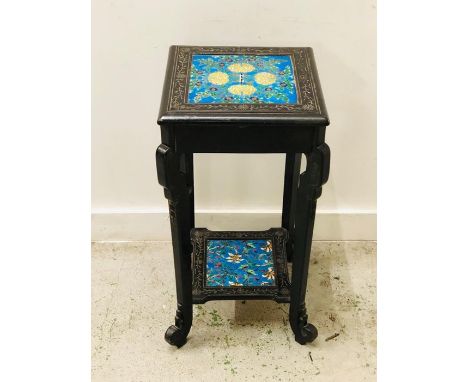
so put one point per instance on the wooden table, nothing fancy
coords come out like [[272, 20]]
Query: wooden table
[[242, 100]]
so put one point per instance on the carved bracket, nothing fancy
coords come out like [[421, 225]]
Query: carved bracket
[[317, 171], [169, 174]]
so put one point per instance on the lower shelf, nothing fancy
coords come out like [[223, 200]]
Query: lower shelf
[[231, 265]]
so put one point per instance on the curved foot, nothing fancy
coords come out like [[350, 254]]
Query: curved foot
[[307, 333], [303, 331], [175, 336]]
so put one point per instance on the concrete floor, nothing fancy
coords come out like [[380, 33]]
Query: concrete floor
[[133, 303]]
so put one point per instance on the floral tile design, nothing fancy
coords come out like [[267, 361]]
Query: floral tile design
[[234, 263], [241, 79]]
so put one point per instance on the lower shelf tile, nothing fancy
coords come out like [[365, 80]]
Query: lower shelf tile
[[240, 265]]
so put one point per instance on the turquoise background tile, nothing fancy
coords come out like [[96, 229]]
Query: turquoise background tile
[[247, 79], [231, 263]]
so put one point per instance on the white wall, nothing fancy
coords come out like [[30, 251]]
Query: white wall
[[129, 51]]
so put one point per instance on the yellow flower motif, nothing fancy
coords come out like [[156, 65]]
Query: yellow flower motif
[[242, 89], [268, 247], [265, 78], [218, 78], [241, 68], [235, 284], [234, 258], [269, 274]]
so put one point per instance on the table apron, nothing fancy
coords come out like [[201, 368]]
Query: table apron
[[238, 139]]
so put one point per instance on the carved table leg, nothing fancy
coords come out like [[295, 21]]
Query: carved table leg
[[171, 167], [309, 191], [190, 185], [291, 179]]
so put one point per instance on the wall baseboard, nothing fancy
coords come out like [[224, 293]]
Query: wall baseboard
[[131, 225]]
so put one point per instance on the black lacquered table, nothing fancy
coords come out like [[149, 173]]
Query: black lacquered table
[[242, 100]]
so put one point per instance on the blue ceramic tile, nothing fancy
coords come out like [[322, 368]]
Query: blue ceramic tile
[[241, 79], [234, 263]]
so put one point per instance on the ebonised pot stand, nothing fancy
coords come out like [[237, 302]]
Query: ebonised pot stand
[[242, 100]]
